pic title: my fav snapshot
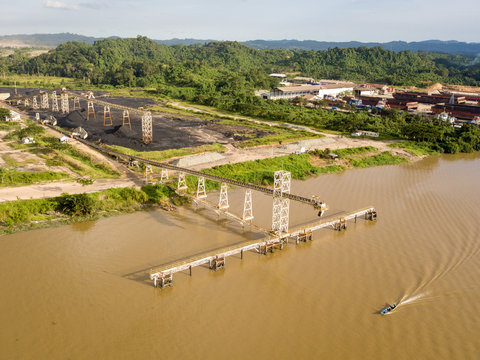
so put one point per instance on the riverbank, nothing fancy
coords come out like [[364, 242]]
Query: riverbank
[[69, 208], [53, 211]]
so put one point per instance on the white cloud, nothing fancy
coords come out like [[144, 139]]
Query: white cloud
[[59, 5]]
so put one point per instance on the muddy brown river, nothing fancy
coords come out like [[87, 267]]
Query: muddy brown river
[[82, 291]]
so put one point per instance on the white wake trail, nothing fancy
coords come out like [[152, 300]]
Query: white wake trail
[[408, 300]]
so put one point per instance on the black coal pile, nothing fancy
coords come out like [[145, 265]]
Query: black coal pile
[[124, 131], [133, 102], [73, 120]]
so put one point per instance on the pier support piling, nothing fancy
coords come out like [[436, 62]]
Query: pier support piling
[[90, 106], [164, 175], [217, 263], [54, 102], [76, 103], [90, 110], [147, 130], [107, 116], [64, 103], [126, 119], [201, 193], [341, 224], [248, 206], [148, 174], [371, 215], [223, 200], [281, 205], [44, 101], [182, 183]]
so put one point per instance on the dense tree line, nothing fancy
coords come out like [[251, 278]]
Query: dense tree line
[[128, 61]]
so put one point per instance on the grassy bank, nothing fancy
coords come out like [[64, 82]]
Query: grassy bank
[[12, 177], [301, 166], [417, 148], [260, 172], [30, 214], [385, 158]]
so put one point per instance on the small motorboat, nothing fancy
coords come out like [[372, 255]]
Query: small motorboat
[[388, 309]]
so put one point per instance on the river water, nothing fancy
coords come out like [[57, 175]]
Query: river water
[[81, 291]]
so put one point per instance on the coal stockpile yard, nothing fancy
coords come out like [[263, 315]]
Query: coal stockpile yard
[[169, 132]]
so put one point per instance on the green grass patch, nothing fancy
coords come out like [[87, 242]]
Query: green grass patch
[[260, 172], [416, 148], [385, 158], [57, 153], [344, 152], [23, 211], [9, 125], [11, 162], [330, 169], [170, 153], [10, 177], [32, 130]]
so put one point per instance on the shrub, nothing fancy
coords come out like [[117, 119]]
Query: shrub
[[31, 130], [4, 113], [157, 193], [76, 204]]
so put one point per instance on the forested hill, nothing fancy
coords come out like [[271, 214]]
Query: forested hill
[[438, 46], [144, 61]]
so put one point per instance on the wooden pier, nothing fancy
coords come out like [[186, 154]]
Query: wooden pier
[[163, 276]]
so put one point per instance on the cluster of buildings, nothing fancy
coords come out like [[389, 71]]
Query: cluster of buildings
[[462, 106], [312, 89]]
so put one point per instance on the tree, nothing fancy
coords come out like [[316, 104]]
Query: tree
[[76, 204], [4, 113]]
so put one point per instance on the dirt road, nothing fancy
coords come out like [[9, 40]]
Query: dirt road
[[53, 189]]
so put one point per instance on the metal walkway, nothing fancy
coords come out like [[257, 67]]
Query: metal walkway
[[163, 275]]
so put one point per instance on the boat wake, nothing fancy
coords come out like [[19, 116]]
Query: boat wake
[[420, 295], [411, 299]]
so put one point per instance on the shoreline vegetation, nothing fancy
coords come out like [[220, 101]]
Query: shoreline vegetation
[[65, 209]]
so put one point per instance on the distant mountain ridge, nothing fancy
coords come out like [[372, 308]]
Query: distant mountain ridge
[[450, 47], [44, 40]]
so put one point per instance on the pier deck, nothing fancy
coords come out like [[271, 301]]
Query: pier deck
[[163, 275]]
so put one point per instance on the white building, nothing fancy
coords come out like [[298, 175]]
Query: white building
[[365, 133], [281, 76], [447, 118], [14, 116], [320, 91]]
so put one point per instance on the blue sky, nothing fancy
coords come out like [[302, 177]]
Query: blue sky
[[332, 20]]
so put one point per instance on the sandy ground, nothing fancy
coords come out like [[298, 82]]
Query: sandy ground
[[42, 191]]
